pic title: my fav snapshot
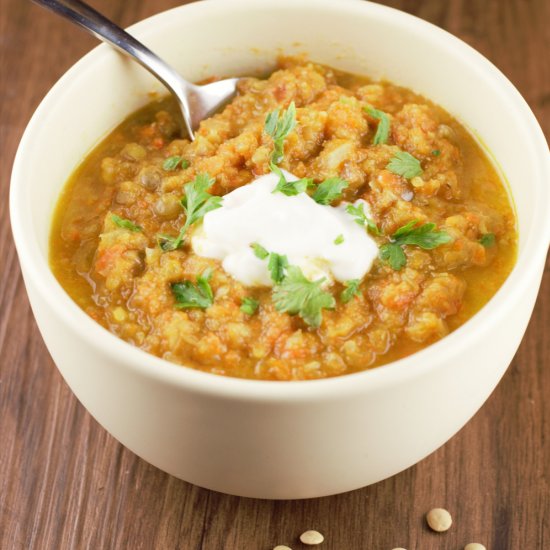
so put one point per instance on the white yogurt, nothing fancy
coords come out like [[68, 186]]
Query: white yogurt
[[295, 226]]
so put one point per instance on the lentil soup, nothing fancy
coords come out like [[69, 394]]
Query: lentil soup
[[124, 234]]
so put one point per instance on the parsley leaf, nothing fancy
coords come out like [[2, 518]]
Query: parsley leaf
[[126, 224], [383, 130], [488, 240], [373, 228], [424, 236], [362, 219], [196, 202], [203, 284], [297, 295], [167, 242], [405, 229], [289, 188], [436, 152], [393, 254], [351, 290], [279, 126], [329, 190], [358, 213], [189, 295], [259, 251], [171, 163], [249, 305], [404, 164], [277, 266], [339, 239]]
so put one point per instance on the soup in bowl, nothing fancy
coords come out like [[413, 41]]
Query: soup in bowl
[[320, 225], [391, 166]]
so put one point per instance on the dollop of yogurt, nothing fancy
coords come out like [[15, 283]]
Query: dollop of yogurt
[[306, 232]]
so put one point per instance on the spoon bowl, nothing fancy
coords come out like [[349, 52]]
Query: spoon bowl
[[196, 102]]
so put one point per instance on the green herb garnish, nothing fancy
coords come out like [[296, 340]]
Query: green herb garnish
[[383, 130], [297, 295], [329, 190], [259, 251], [277, 266], [424, 236], [249, 305], [171, 163], [196, 203], [362, 219], [289, 188], [404, 164], [167, 242], [189, 295], [293, 293], [393, 254], [358, 213], [339, 239], [279, 127], [488, 240], [436, 152], [126, 224], [351, 290]]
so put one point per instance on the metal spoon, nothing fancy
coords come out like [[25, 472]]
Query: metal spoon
[[196, 102]]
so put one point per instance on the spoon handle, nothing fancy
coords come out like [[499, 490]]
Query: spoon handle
[[88, 18]]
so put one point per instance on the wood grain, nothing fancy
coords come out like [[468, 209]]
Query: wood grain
[[66, 484]]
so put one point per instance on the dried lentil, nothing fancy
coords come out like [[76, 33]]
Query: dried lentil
[[439, 520], [312, 538]]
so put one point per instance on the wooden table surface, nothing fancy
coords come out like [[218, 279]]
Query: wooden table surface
[[66, 484]]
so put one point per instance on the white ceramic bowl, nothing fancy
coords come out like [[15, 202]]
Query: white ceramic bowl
[[281, 439]]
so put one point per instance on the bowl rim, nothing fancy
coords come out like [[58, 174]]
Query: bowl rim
[[418, 364]]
